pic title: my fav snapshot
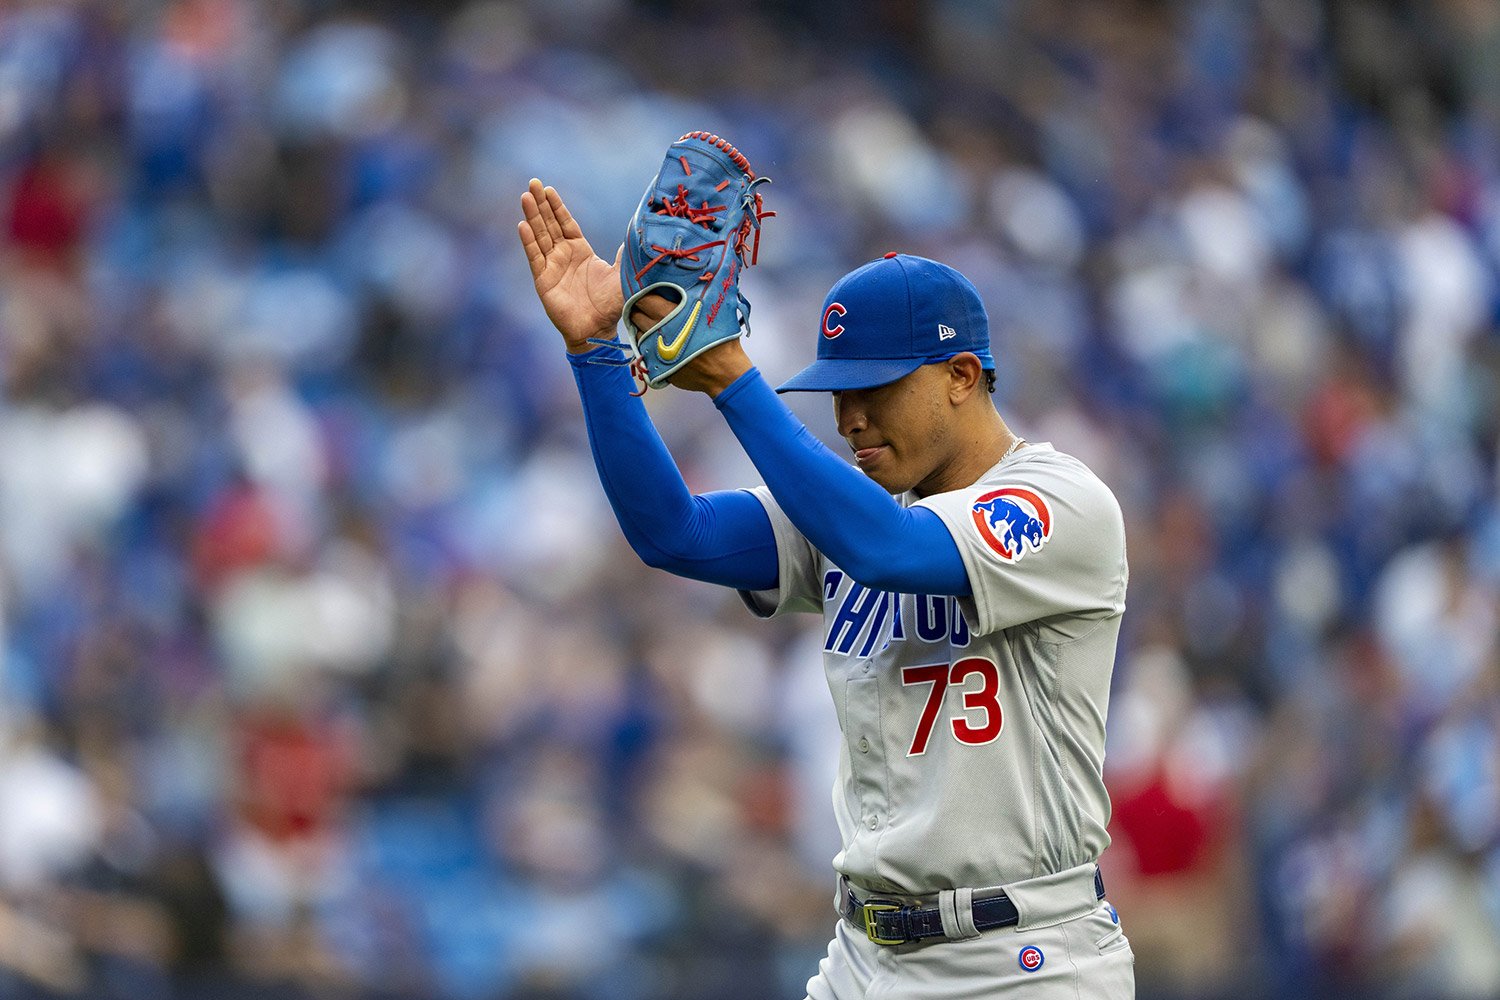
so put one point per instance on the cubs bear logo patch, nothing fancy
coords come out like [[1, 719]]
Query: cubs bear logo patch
[[1012, 521]]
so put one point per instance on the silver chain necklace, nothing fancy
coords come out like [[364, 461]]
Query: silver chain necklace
[[1015, 443]]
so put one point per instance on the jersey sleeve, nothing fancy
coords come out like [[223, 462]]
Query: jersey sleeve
[[798, 587], [1042, 542]]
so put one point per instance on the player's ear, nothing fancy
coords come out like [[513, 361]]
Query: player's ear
[[965, 374]]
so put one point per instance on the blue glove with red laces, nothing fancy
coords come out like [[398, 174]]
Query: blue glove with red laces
[[697, 228]]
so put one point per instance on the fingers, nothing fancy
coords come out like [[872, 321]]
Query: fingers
[[531, 211], [655, 307], [534, 255], [544, 202], [568, 227], [650, 310]]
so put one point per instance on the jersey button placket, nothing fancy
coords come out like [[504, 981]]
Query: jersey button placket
[[862, 726]]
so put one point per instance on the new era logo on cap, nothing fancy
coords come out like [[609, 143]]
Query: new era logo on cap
[[946, 332]]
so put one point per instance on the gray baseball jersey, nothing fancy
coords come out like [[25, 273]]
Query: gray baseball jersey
[[973, 727]]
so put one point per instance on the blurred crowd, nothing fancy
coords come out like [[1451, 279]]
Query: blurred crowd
[[325, 672]]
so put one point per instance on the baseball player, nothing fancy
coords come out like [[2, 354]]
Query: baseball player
[[971, 587]]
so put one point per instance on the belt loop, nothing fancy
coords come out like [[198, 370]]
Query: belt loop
[[956, 909], [948, 913]]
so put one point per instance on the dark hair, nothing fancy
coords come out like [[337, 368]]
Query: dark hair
[[989, 380]]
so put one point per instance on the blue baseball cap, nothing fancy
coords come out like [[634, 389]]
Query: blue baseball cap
[[890, 317]]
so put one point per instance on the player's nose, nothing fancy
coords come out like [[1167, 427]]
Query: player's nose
[[850, 413]]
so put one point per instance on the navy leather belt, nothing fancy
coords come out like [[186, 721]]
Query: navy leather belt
[[888, 921]]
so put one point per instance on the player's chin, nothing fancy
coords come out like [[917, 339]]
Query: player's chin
[[892, 480]]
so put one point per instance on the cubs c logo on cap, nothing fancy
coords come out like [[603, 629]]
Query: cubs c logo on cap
[[1031, 958], [831, 329], [1012, 520]]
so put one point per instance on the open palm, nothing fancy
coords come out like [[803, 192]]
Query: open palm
[[580, 291]]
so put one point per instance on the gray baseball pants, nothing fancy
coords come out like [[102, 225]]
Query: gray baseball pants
[[1067, 946]]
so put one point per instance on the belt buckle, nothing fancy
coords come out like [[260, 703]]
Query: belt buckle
[[868, 911]]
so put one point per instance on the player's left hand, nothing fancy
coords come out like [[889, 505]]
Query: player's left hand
[[712, 371]]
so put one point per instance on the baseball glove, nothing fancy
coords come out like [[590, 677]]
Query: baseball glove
[[696, 229]]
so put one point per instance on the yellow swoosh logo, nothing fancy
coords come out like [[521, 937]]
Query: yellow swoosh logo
[[668, 352]]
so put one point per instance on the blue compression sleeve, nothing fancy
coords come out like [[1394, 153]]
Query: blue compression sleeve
[[846, 515], [724, 538]]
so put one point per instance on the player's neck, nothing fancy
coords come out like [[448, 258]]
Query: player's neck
[[977, 447]]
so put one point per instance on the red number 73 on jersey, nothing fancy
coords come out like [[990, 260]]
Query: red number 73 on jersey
[[985, 699]]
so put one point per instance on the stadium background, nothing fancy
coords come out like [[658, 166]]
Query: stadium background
[[326, 673]]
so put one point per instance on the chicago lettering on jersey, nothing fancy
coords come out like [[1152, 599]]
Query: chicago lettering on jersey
[[860, 622]]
